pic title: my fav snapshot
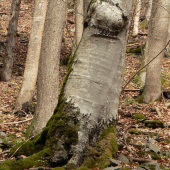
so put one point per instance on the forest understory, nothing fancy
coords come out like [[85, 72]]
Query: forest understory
[[143, 130]]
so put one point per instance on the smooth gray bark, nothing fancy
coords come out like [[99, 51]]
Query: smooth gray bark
[[157, 38], [148, 13], [137, 17], [11, 40], [95, 83], [33, 55], [79, 20], [48, 72]]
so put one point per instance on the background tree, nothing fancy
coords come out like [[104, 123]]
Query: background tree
[[137, 17], [79, 20], [157, 38], [48, 71], [11, 39], [148, 12], [86, 5], [167, 53], [34, 48]]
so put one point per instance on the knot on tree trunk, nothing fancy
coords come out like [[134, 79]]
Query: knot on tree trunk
[[107, 16]]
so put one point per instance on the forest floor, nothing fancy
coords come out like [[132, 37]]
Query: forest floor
[[132, 134]]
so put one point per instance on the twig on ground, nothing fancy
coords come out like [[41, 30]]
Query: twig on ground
[[11, 123]]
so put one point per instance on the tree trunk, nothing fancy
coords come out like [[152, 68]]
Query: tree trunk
[[86, 5], [34, 48], [89, 97], [11, 39], [136, 18], [94, 85], [167, 53], [79, 21], [148, 13], [48, 72], [157, 38]]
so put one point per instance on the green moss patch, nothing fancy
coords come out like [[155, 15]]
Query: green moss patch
[[154, 155], [34, 160], [58, 168], [167, 140], [164, 82], [139, 116], [133, 50], [154, 124], [105, 148], [32, 146], [152, 134], [136, 132]]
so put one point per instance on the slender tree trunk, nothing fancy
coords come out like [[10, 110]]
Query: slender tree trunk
[[167, 53], [86, 5], [48, 72], [79, 20], [136, 18], [157, 38], [34, 48], [11, 40], [148, 13]]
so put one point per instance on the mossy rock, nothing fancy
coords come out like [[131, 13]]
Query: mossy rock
[[154, 155], [120, 147], [167, 140], [164, 82], [151, 165], [69, 166], [58, 168], [126, 168], [139, 116], [152, 134], [105, 148], [83, 168], [154, 124], [133, 50], [136, 132]]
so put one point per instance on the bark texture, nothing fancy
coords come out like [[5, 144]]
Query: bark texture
[[157, 38], [167, 53], [94, 85], [87, 107], [79, 21], [136, 18], [34, 48], [11, 39], [85, 5], [48, 72], [148, 12]]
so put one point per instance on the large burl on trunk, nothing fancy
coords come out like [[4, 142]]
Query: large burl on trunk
[[82, 128]]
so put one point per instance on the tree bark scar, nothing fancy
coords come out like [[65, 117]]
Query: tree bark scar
[[106, 16], [105, 36]]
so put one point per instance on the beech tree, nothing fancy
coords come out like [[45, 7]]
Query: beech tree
[[167, 53], [79, 20], [148, 12], [48, 71], [88, 102], [81, 7], [34, 48], [157, 39], [137, 17], [11, 39]]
